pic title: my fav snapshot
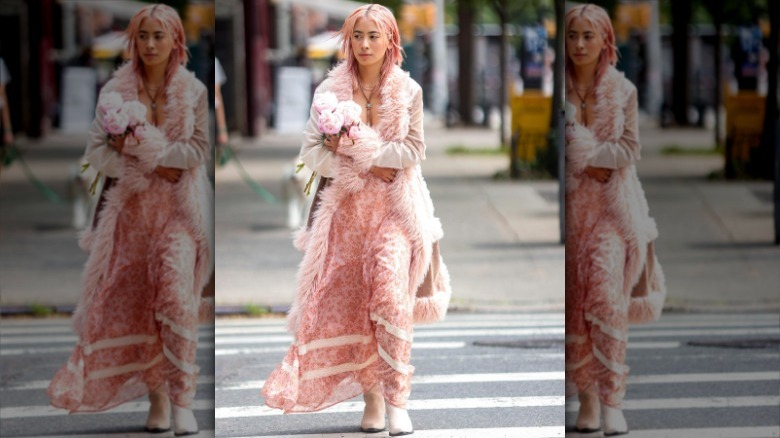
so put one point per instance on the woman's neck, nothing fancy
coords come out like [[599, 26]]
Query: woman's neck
[[586, 76], [154, 75], [369, 74]]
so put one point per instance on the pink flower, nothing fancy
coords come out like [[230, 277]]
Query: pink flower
[[325, 102], [115, 122], [110, 102], [354, 132], [139, 132], [330, 122], [350, 110], [136, 111]]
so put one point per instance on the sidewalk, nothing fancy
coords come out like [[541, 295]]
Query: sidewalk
[[716, 236], [500, 237]]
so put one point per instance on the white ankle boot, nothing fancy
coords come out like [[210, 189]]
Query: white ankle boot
[[588, 417], [184, 422], [614, 421], [159, 418], [400, 423], [374, 413]]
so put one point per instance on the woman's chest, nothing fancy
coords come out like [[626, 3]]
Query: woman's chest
[[369, 104], [155, 108]]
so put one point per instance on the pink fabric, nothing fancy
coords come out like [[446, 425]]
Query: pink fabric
[[366, 254], [150, 257], [608, 234]]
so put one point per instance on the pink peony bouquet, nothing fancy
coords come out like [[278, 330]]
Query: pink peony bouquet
[[121, 117], [335, 118]]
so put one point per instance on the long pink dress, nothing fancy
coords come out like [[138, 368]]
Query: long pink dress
[[149, 259], [367, 252], [612, 275]]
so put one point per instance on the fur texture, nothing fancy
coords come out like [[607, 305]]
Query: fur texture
[[613, 277], [370, 269], [150, 256]]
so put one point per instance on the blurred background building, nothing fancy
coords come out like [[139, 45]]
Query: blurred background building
[[59, 52]]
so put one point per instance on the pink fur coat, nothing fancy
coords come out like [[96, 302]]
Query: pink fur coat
[[150, 255], [371, 265], [408, 196]]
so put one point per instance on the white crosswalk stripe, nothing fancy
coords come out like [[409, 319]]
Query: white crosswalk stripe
[[45, 344], [706, 389], [452, 396]]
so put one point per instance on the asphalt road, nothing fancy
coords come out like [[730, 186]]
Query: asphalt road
[[716, 388], [32, 350], [459, 389]]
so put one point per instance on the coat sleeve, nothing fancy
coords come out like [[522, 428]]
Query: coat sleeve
[[154, 149], [98, 153], [410, 151], [313, 153], [626, 151], [193, 153]]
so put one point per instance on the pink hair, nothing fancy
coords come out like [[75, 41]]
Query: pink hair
[[599, 19], [385, 20], [171, 22]]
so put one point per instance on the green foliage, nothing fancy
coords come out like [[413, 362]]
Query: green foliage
[[255, 310], [519, 12], [40, 311]]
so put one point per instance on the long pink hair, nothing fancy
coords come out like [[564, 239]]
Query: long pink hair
[[171, 23], [599, 19], [385, 20]]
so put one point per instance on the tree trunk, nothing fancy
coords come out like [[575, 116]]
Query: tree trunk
[[466, 13], [681, 18], [771, 138]]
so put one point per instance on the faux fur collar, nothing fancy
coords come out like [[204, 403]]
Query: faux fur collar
[[181, 93], [609, 119], [394, 121]]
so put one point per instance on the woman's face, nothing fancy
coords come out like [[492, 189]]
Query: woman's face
[[154, 44], [583, 43], [369, 42]]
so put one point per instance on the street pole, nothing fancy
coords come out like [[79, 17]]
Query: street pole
[[560, 84], [655, 90], [439, 76]]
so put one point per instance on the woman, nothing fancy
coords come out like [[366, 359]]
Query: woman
[[612, 275], [149, 247], [371, 266]]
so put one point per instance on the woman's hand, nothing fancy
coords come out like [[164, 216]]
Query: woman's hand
[[386, 174], [169, 173], [116, 142], [600, 174], [332, 142]]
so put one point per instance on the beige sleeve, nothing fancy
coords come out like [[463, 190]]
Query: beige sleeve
[[626, 151], [192, 153], [98, 154], [410, 151], [313, 153]]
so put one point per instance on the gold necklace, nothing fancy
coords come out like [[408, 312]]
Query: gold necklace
[[154, 101], [368, 99], [583, 102]]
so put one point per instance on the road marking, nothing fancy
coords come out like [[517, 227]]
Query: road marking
[[51, 350], [714, 432], [50, 411], [704, 377], [413, 405], [43, 384], [68, 330], [652, 345], [496, 432], [269, 329], [439, 379], [451, 317], [201, 434], [55, 339], [692, 403], [709, 333], [283, 348]]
